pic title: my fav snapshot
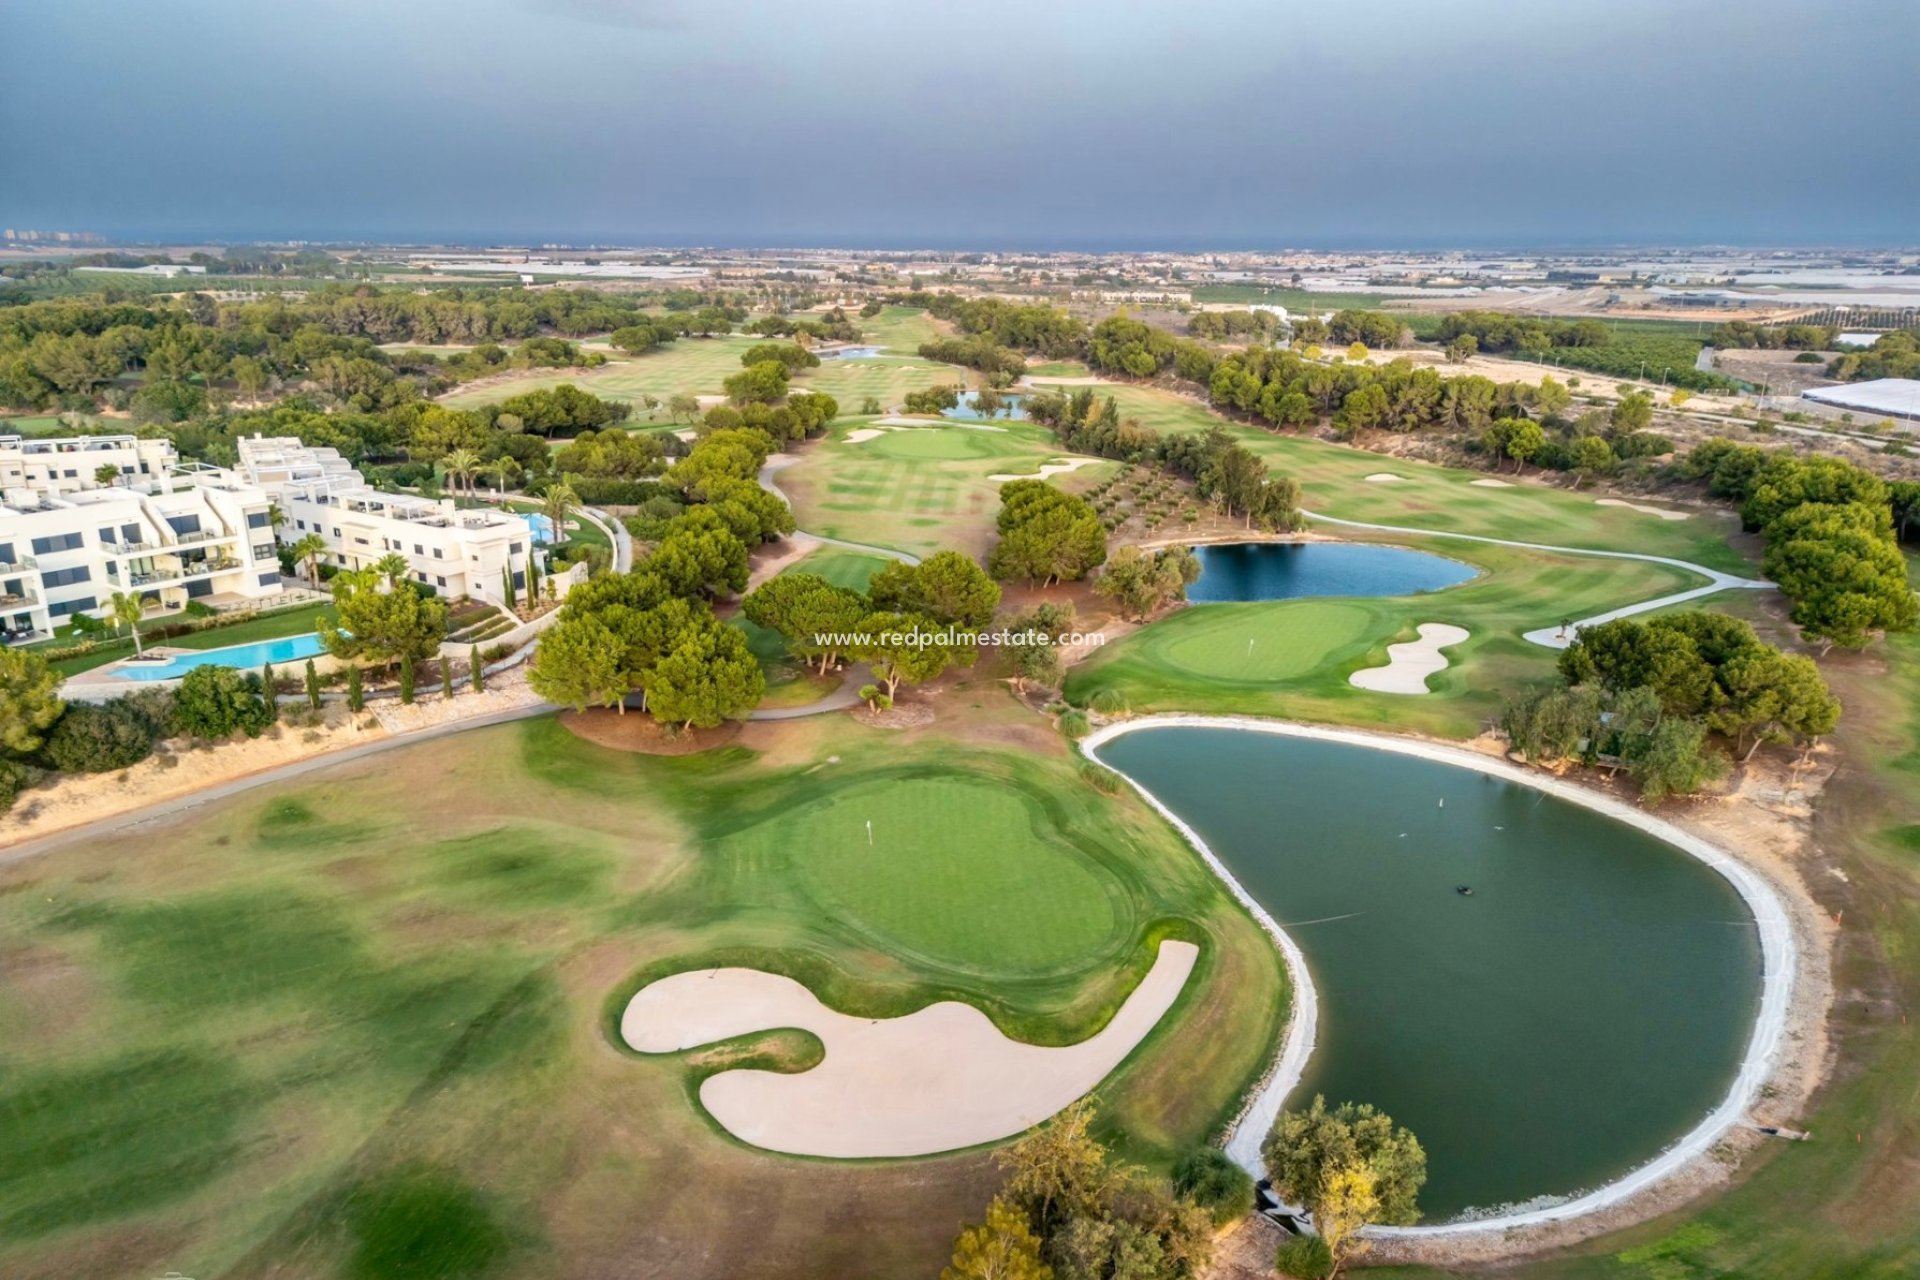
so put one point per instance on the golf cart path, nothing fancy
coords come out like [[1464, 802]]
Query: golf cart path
[[1561, 637]]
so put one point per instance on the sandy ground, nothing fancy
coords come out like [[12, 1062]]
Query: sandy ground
[[1410, 663], [860, 435], [1048, 469], [1664, 513], [178, 770], [939, 1079], [1756, 835], [1384, 477], [1491, 484], [505, 691]]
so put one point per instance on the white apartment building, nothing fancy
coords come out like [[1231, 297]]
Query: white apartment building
[[457, 553], [69, 543]]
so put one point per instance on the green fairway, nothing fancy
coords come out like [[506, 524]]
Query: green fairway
[[697, 366], [1198, 659], [32, 426], [841, 567], [1333, 481], [310, 1018], [918, 488], [959, 871], [900, 329], [887, 379]]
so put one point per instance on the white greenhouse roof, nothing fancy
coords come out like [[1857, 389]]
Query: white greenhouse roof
[[1888, 397]]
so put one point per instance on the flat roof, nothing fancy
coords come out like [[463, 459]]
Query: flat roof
[[1888, 397]]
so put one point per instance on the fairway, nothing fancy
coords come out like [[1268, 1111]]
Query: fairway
[[696, 366], [953, 870], [887, 379], [901, 329], [843, 568], [392, 985]]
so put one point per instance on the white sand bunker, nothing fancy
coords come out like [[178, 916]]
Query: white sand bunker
[[1409, 664], [687, 435], [1490, 484], [1663, 512], [1048, 469], [938, 1079], [860, 435], [1384, 477]]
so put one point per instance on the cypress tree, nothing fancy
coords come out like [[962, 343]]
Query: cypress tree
[[356, 696], [406, 681], [477, 671], [266, 687]]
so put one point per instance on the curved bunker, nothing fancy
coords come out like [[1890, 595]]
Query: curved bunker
[[1600, 1008]]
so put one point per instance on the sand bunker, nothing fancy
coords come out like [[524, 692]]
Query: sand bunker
[[1384, 477], [935, 1080], [1048, 469], [687, 435], [1409, 664], [1490, 484], [860, 435], [1663, 512]]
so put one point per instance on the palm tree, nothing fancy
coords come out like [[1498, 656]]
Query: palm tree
[[310, 549], [127, 611], [460, 466], [503, 469], [392, 566], [559, 503]]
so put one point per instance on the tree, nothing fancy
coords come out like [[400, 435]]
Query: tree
[[460, 465], [683, 407], [406, 680], [1551, 397], [1142, 583], [503, 469], [1632, 413], [476, 670], [1548, 725], [99, 738], [1058, 1171], [312, 686], [1347, 1202], [310, 548], [904, 648], [1462, 349], [578, 664], [382, 622], [1306, 1148], [709, 675], [269, 685], [558, 505], [127, 612], [761, 383], [1774, 697], [29, 700], [1672, 759], [356, 693], [1516, 438], [1003, 1247], [1208, 1178], [1046, 534], [393, 567], [1589, 456], [215, 701], [811, 614], [947, 586], [1843, 571]]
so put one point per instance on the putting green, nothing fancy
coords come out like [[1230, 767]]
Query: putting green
[[960, 871], [1259, 643], [917, 444]]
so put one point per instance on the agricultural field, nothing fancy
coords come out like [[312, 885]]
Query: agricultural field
[[1292, 299], [361, 1024], [1638, 348], [917, 489]]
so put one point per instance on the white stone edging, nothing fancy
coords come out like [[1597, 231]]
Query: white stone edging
[[1779, 964]]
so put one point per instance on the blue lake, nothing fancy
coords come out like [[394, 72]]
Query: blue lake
[[1012, 408], [1241, 571]]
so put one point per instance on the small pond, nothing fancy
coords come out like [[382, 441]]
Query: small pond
[[1587, 1004], [851, 353], [1240, 571], [1012, 408]]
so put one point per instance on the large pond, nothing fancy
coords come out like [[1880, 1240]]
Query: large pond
[[1288, 570], [1585, 1006]]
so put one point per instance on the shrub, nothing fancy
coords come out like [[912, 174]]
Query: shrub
[[1109, 702], [16, 776], [1100, 778], [1075, 724], [1215, 1183], [92, 738], [216, 701], [1304, 1257]]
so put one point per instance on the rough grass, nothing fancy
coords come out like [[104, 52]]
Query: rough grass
[[355, 1025]]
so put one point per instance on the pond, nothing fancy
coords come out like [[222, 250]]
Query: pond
[[1012, 408], [1240, 571], [851, 353], [1588, 1003]]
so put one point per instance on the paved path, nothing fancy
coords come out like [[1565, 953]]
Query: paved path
[[1560, 637], [179, 804]]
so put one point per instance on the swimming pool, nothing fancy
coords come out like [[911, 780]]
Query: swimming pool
[[244, 656]]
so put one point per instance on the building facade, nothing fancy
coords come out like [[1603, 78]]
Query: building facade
[[456, 553]]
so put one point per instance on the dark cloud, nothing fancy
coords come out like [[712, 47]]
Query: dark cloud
[[902, 122]]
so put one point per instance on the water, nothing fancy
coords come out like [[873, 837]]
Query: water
[[1013, 408], [1288, 570], [851, 353], [542, 529], [1586, 1006], [245, 656]]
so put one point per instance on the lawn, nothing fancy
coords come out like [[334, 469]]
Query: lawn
[[310, 1021], [887, 379], [1302, 651], [697, 366], [1333, 481], [919, 489], [901, 329], [32, 426]]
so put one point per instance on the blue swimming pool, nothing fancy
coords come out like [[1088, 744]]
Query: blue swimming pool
[[245, 656]]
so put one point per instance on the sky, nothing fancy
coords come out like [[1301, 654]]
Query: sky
[[1095, 124]]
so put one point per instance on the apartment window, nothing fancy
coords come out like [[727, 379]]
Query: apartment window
[[65, 607], [361, 541], [336, 533], [56, 542], [519, 579], [72, 474], [300, 525], [514, 550], [259, 519], [419, 550], [67, 577], [107, 538], [129, 533], [269, 579], [437, 555], [263, 551], [6, 553], [184, 524], [441, 581]]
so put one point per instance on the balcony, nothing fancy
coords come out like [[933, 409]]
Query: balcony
[[13, 599], [19, 566]]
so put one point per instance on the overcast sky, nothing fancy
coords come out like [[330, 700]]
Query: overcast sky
[[967, 123]]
